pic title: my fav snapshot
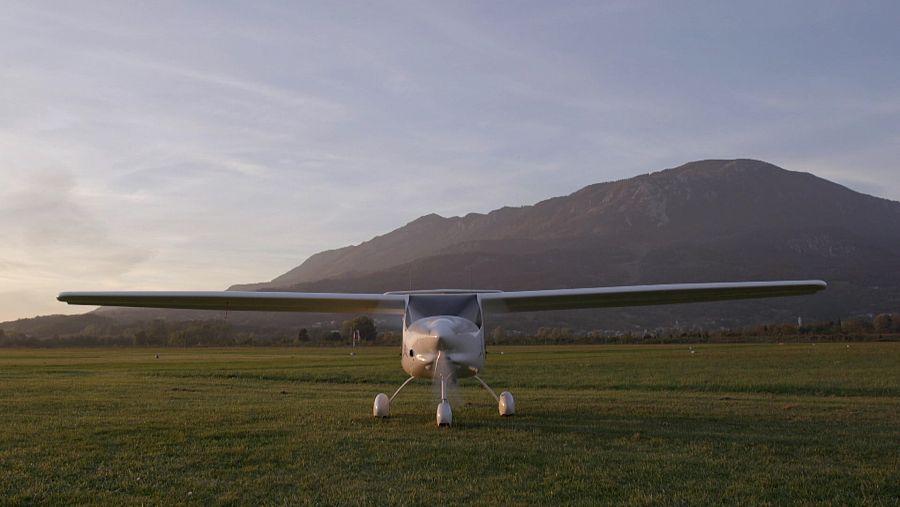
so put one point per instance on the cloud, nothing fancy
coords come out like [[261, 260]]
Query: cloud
[[191, 147], [20, 304], [51, 241], [45, 227], [258, 93]]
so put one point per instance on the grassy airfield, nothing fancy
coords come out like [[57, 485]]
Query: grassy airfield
[[633, 425]]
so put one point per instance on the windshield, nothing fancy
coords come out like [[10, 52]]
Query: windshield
[[464, 305]]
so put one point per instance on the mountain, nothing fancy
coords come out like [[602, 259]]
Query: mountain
[[711, 220]]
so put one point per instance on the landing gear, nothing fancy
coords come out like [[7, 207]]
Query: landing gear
[[506, 405], [382, 405], [444, 413]]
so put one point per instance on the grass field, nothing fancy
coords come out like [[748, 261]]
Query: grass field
[[633, 425]]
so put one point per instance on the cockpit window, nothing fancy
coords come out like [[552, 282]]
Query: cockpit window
[[433, 305]]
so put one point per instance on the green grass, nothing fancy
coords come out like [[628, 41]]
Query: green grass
[[632, 425]]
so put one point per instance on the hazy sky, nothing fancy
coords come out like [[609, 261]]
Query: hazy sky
[[192, 145]]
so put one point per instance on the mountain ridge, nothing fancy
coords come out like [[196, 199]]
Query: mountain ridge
[[704, 221], [670, 204]]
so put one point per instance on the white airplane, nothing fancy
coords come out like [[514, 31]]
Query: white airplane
[[443, 330]]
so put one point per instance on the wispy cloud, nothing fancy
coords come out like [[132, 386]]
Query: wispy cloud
[[192, 146], [44, 217]]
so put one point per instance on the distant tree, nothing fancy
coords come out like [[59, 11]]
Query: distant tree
[[783, 329], [364, 324], [91, 330], [856, 326], [389, 338], [176, 339], [498, 335], [140, 338], [882, 323], [157, 332], [544, 333], [303, 335]]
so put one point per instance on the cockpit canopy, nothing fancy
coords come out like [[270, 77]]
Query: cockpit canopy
[[433, 305]]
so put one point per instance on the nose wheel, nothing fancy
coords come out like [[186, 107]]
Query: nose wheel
[[444, 412]]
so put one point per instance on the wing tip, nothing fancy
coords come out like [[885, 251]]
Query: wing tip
[[818, 285]]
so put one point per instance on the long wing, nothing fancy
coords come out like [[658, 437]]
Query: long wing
[[643, 295], [495, 302], [241, 301]]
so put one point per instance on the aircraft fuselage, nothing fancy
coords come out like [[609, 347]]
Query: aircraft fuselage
[[443, 330], [458, 341]]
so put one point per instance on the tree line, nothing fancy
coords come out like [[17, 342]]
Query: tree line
[[363, 331], [885, 326], [104, 332]]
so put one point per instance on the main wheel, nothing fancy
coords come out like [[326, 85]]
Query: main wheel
[[382, 406], [506, 404]]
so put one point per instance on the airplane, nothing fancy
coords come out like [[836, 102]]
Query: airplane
[[443, 329]]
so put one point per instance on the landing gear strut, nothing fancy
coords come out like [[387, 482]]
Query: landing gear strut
[[382, 406], [506, 405], [444, 413]]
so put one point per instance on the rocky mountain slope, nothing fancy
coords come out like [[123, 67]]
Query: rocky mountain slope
[[704, 221], [712, 220]]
